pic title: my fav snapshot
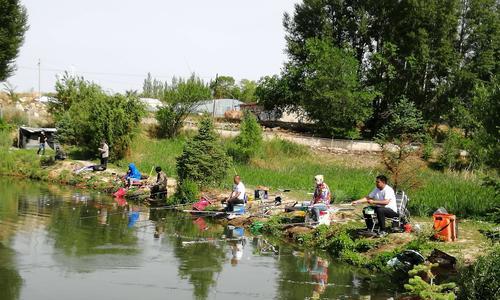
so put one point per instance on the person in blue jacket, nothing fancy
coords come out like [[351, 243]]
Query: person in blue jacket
[[133, 174]]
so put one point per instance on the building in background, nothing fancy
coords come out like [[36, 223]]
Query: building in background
[[221, 106]]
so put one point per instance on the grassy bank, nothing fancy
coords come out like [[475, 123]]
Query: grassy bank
[[282, 164]]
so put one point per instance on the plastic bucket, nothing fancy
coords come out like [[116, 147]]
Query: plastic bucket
[[239, 209], [445, 227]]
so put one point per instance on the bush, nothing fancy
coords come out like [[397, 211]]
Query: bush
[[249, 142], [167, 126], [203, 159], [187, 192], [427, 147], [450, 156], [428, 290], [482, 279], [85, 115]]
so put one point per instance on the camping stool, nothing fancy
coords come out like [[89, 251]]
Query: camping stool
[[370, 211], [239, 209]]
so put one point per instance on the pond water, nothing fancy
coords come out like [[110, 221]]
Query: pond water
[[61, 243]]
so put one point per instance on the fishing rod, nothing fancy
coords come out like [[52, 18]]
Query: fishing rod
[[211, 241]]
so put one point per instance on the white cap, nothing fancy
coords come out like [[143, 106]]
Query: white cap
[[318, 179]]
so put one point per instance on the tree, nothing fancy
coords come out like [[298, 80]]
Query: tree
[[405, 126], [85, 115], [203, 159], [153, 88], [224, 87], [13, 26], [273, 93], [181, 97], [332, 95], [247, 90]]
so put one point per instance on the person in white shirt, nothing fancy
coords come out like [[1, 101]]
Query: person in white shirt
[[383, 201], [237, 195], [104, 151]]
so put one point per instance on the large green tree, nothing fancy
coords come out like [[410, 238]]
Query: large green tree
[[85, 115], [441, 55], [13, 25]]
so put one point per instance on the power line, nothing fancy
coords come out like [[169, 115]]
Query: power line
[[105, 73]]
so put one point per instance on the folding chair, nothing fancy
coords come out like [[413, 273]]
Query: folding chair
[[403, 212]]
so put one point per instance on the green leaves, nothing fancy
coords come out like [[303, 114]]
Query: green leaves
[[203, 159], [85, 115], [13, 25], [249, 142], [182, 96], [332, 93]]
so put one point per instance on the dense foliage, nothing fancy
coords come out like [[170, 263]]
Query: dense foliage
[[181, 98], [427, 288], [85, 115], [249, 142], [440, 55], [203, 159], [481, 280], [186, 192], [13, 25], [397, 138], [226, 87]]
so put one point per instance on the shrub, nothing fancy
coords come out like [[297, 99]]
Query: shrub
[[428, 290], [167, 126], [482, 279], [450, 157], [427, 147], [186, 192], [85, 115], [249, 142], [203, 159]]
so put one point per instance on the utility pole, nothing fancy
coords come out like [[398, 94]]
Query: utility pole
[[215, 90], [39, 84]]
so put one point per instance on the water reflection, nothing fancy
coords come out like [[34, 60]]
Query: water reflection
[[92, 246]]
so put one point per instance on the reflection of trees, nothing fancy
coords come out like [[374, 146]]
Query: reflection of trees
[[198, 262], [77, 232], [299, 279], [10, 280]]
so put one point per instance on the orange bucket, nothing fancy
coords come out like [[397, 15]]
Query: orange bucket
[[445, 226]]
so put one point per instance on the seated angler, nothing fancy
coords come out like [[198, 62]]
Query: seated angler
[[159, 188], [383, 203], [237, 195], [133, 175], [321, 197]]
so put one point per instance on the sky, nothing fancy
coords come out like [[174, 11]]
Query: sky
[[117, 42]]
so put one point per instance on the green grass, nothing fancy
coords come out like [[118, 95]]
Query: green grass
[[148, 153], [282, 164]]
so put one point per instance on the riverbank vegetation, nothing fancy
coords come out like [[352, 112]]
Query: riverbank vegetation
[[440, 57]]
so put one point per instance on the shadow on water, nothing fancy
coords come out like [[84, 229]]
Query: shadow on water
[[91, 246]]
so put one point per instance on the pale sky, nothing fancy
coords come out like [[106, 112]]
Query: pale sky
[[117, 42]]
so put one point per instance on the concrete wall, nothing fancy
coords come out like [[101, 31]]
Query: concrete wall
[[327, 144]]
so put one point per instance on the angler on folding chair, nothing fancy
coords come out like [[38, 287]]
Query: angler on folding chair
[[398, 222]]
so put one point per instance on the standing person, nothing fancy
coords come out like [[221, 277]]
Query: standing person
[[159, 188], [321, 197], [237, 195], [42, 139], [104, 150], [383, 201]]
